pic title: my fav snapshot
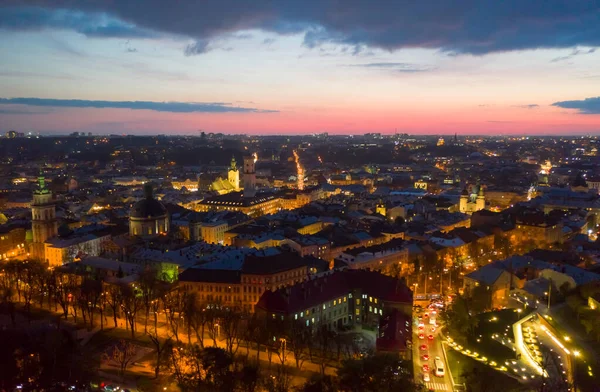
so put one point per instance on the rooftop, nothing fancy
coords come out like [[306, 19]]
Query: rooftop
[[332, 285]]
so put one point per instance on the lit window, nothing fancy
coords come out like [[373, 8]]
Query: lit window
[[370, 299], [344, 299], [370, 308], [296, 316], [357, 312]]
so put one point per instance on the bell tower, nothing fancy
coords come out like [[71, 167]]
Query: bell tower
[[43, 218], [249, 176], [233, 175]]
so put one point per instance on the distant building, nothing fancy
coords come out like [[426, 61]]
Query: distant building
[[473, 201]]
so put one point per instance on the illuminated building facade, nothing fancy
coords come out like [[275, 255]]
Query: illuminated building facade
[[255, 206], [233, 175], [472, 201], [249, 176]]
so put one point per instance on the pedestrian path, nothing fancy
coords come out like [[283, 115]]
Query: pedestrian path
[[437, 386]]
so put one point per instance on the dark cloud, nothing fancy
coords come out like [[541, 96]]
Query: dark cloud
[[584, 106], [575, 52], [173, 107], [25, 111], [198, 47], [131, 50], [461, 26], [91, 24], [396, 67], [530, 106]]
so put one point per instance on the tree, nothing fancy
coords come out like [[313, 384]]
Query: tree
[[232, 329], [459, 319], [123, 352], [298, 340], [380, 372], [148, 287], [280, 381], [131, 303], [575, 303], [160, 346], [480, 299], [319, 384], [249, 377], [173, 304], [114, 300]]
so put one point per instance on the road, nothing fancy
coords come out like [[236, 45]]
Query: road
[[434, 349]]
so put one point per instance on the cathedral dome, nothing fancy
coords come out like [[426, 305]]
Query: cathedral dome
[[149, 207]]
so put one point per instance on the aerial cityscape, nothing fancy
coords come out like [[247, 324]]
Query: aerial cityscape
[[305, 196]]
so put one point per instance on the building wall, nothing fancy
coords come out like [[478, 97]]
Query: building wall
[[212, 233], [148, 227], [59, 255]]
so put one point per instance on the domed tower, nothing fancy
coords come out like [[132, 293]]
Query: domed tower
[[233, 175], [148, 217], [480, 201], [43, 218]]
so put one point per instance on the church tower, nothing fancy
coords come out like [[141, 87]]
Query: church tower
[[380, 208], [233, 175], [43, 218], [249, 176], [480, 201], [464, 200]]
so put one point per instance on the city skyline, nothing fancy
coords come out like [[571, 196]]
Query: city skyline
[[300, 67]]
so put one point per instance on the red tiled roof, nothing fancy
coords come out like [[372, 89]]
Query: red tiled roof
[[336, 284]]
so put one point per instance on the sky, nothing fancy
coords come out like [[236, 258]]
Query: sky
[[300, 66]]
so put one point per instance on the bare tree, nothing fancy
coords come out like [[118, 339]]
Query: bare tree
[[123, 352], [298, 340], [149, 288], [232, 328], [114, 299], [160, 347], [173, 306], [131, 304]]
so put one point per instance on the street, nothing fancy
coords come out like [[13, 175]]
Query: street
[[433, 349]]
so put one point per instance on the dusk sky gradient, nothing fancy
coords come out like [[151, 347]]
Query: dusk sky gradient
[[300, 66]]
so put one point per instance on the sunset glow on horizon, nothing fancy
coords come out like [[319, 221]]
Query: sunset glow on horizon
[[103, 68]]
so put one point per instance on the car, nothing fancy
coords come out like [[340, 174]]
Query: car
[[426, 315], [423, 347], [430, 337], [426, 368], [425, 357], [432, 329], [421, 324], [111, 388], [421, 327], [421, 336], [426, 377]]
